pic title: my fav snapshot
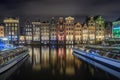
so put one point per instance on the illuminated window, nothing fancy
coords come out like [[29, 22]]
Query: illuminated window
[[6, 24], [16, 24], [13, 24]]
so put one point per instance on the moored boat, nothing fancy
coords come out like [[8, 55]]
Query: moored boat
[[107, 59], [9, 58]]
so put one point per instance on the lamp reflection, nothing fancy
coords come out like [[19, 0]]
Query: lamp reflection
[[70, 70], [61, 60], [58, 60], [36, 59], [45, 56]]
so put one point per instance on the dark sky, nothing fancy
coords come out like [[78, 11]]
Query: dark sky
[[110, 9]]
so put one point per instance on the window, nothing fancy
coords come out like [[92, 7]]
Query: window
[[9, 24], [16, 24], [6, 24], [12, 24]]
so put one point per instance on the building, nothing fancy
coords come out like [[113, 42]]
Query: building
[[61, 31], [91, 30], [85, 34], [36, 31], [53, 31], [28, 32], [1, 30], [44, 29], [116, 29], [108, 30], [11, 29], [69, 27], [100, 28], [77, 33]]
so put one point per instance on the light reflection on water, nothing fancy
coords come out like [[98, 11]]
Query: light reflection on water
[[57, 63], [59, 59]]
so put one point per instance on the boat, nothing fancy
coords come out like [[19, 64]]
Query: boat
[[11, 57], [105, 58]]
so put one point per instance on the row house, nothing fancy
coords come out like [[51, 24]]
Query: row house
[[36, 31], [28, 32], [69, 30], [53, 31], [108, 30], [100, 28], [91, 30], [11, 29], [84, 33], [66, 31], [44, 29], [61, 31], [77, 33]]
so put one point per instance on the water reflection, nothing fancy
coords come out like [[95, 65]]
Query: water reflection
[[57, 63], [59, 59]]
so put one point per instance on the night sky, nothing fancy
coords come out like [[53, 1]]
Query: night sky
[[110, 9]]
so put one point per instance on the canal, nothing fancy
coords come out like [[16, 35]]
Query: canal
[[56, 63]]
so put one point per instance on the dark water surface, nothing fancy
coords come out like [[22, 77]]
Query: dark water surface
[[56, 63]]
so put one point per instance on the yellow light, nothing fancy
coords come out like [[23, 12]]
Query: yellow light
[[11, 21]]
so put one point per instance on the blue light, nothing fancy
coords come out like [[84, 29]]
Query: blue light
[[116, 27], [53, 46], [4, 43]]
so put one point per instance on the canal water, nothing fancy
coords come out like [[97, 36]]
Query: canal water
[[56, 63]]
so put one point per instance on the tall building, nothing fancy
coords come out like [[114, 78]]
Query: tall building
[[77, 33], [91, 30], [28, 32], [100, 28], [36, 31], [61, 31], [1, 30], [69, 26], [108, 30], [85, 33], [44, 29], [53, 31], [116, 29], [12, 29]]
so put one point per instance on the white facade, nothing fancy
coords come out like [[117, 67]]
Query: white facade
[[69, 29], [85, 33], [77, 33], [45, 32]]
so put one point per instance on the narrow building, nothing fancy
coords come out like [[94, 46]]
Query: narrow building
[[85, 34], [100, 28], [44, 29], [61, 31], [108, 30], [69, 26], [78, 33], [53, 31], [36, 31], [11, 29], [91, 30]]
